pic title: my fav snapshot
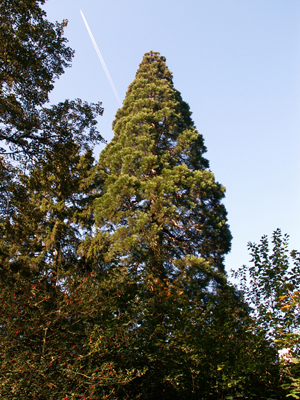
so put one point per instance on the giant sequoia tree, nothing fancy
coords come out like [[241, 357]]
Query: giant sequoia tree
[[125, 296], [160, 221], [160, 208]]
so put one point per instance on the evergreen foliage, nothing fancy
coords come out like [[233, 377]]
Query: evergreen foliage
[[52, 308], [159, 208], [159, 217], [112, 281]]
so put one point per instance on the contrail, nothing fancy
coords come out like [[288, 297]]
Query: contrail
[[101, 59]]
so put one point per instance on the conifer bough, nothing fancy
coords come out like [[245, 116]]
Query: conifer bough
[[159, 209]]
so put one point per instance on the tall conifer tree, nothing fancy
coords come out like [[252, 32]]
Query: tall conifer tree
[[160, 210]]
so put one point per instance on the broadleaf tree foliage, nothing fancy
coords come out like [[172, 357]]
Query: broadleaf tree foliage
[[52, 308], [112, 281], [33, 54], [271, 286]]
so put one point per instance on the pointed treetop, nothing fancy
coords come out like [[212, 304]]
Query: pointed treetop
[[159, 207], [160, 112]]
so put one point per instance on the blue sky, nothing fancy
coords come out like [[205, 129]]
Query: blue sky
[[237, 64]]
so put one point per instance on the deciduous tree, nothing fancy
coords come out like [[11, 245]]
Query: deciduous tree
[[33, 53], [271, 286], [60, 333]]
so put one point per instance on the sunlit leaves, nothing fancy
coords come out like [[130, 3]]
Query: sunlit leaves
[[158, 201]]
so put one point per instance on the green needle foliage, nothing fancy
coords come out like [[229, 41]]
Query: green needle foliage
[[63, 341], [112, 281], [159, 218], [159, 208], [60, 335]]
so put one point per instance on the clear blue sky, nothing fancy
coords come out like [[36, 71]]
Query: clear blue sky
[[237, 64]]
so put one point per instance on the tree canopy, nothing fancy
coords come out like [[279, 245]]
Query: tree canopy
[[112, 274], [33, 54], [271, 286], [159, 206]]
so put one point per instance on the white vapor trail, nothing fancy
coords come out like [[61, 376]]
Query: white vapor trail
[[101, 59]]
